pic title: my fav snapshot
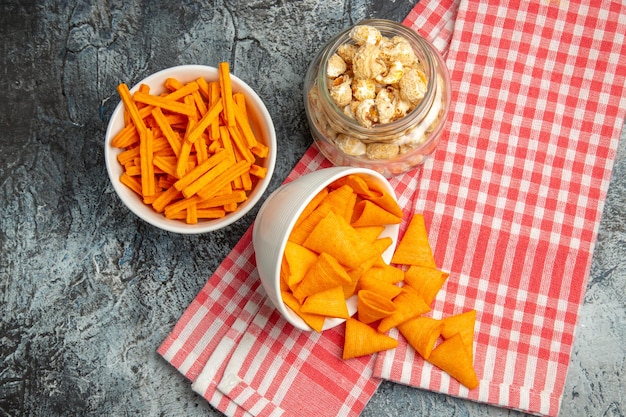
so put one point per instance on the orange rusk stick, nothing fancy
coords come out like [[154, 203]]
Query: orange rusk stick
[[206, 120], [183, 158], [192, 214], [206, 178], [237, 196], [132, 183], [210, 213], [227, 143], [166, 128], [241, 146], [203, 87], [223, 179], [126, 137], [164, 103], [180, 205], [147, 168], [227, 93], [200, 170], [214, 98], [132, 109], [165, 198]]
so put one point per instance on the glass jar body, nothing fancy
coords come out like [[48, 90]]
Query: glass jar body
[[389, 148]]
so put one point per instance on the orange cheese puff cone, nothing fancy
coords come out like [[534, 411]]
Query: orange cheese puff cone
[[324, 274], [367, 213], [386, 273], [336, 237], [355, 275], [408, 305], [329, 303], [372, 306], [370, 233], [313, 204], [341, 201], [462, 324], [426, 281], [372, 191], [300, 232], [284, 275], [451, 357], [382, 288], [382, 244], [421, 333], [361, 339], [414, 248], [315, 321], [299, 260]]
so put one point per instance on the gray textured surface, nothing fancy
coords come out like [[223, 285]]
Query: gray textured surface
[[88, 292]]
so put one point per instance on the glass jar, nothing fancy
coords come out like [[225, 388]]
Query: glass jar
[[390, 148]]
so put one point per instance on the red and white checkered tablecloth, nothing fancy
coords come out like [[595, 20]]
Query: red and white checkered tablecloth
[[512, 199]]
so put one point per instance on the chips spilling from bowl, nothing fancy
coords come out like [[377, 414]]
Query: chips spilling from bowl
[[334, 252], [190, 153]]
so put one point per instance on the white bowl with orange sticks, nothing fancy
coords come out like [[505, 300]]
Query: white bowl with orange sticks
[[190, 149]]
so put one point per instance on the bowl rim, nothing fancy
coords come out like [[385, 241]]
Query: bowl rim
[[146, 213], [390, 230]]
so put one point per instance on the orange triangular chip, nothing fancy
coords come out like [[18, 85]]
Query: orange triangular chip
[[336, 237], [408, 305], [414, 248], [341, 201], [451, 356], [315, 321], [372, 191], [462, 324], [385, 273], [372, 306], [313, 204], [426, 281], [370, 233], [382, 244], [385, 289], [355, 275], [304, 228], [421, 333], [329, 303], [367, 213], [324, 274], [299, 260], [361, 339]]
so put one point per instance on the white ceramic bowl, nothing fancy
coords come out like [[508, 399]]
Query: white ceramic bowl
[[276, 219], [262, 126]]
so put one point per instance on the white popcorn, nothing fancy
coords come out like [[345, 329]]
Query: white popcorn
[[350, 145], [365, 113], [341, 91], [346, 51], [385, 105], [398, 49], [363, 89], [413, 85], [393, 75], [366, 63], [382, 150], [335, 66], [364, 34]]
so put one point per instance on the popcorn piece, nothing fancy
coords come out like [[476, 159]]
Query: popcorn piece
[[366, 113], [346, 51], [385, 105], [382, 150], [364, 34], [413, 85], [393, 75], [398, 49], [341, 91], [350, 145], [363, 89], [335, 66], [366, 63]]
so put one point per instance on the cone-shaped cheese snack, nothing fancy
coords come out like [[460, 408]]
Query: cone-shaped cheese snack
[[336, 237], [452, 357], [372, 191], [299, 260], [325, 274], [408, 305], [414, 248], [341, 201], [370, 233], [315, 321], [313, 204], [300, 232], [464, 325], [426, 281], [330, 303], [367, 213], [372, 306], [421, 333], [361, 339]]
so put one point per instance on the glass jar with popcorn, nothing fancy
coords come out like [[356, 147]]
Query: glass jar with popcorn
[[377, 96]]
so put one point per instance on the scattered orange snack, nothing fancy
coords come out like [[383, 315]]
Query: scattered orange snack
[[174, 157], [334, 253]]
